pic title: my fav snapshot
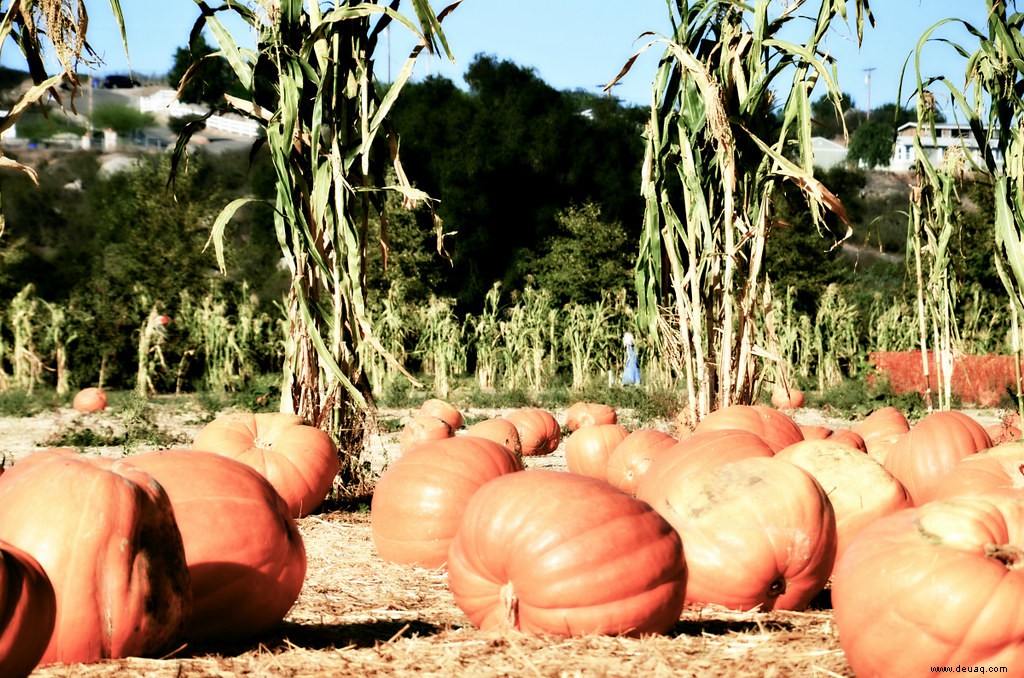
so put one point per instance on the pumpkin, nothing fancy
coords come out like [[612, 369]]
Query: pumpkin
[[587, 414], [939, 584], [698, 453], [418, 501], [815, 432], [631, 458], [757, 533], [776, 427], [539, 431], [444, 411], [1007, 430], [848, 437], [243, 549], [882, 423], [28, 611], [785, 398], [421, 428], [557, 553], [105, 534], [501, 431], [920, 458], [588, 449], [860, 489], [997, 470], [299, 460], [92, 399]]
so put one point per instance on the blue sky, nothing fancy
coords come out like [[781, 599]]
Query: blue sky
[[570, 43]]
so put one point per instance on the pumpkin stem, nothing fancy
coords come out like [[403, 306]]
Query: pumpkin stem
[[1009, 555], [510, 605]]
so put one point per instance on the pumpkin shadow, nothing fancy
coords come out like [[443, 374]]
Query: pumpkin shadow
[[722, 627], [289, 635]]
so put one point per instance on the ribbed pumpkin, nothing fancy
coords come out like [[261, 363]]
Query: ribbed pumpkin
[[776, 427], [920, 458], [698, 453], [815, 431], [501, 431], [587, 450], [422, 428], [787, 398], [997, 470], [243, 549], [587, 414], [539, 431], [418, 501], [758, 532], [630, 460], [28, 609], [937, 585], [299, 460], [88, 400], [559, 553], [884, 422], [860, 489], [443, 410], [105, 534], [848, 437]]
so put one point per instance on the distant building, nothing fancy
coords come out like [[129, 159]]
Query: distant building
[[936, 147], [827, 153]]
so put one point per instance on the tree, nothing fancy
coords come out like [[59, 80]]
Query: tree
[[211, 77], [829, 122], [872, 143], [124, 120]]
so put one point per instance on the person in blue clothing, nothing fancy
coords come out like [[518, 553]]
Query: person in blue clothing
[[631, 373]]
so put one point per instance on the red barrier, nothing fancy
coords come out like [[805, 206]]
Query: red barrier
[[983, 380]]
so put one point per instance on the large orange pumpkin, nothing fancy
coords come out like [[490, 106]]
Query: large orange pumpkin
[[860, 489], [243, 549], [997, 470], [444, 411], [698, 453], [776, 427], [105, 534], [630, 460], [92, 399], [501, 431], [586, 414], [588, 449], [422, 428], [787, 398], [919, 459], [884, 422], [539, 431], [299, 460], [418, 501], [559, 553], [937, 585], [758, 532], [28, 609]]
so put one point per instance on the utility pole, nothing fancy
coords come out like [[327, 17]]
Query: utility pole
[[867, 81]]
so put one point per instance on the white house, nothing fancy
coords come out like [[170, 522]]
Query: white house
[[947, 136], [827, 153]]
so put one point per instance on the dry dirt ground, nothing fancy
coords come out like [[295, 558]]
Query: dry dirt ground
[[360, 616]]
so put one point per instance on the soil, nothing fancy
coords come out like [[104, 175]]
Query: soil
[[361, 616]]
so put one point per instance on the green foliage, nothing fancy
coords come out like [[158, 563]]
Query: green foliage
[[872, 143], [211, 79], [123, 119], [37, 127], [857, 398], [20, 403], [586, 258], [828, 121]]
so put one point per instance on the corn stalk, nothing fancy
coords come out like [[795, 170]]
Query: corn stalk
[[26, 365], [714, 158], [311, 87], [487, 338], [586, 331], [992, 104], [441, 344], [836, 342]]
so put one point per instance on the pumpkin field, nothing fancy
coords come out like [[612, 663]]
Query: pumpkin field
[[364, 608]]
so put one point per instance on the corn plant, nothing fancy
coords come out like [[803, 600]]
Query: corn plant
[[441, 344], [487, 338], [587, 330], [393, 320], [150, 351], [887, 326], [529, 341], [992, 103], [836, 341], [58, 335], [714, 158], [23, 316], [311, 87]]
